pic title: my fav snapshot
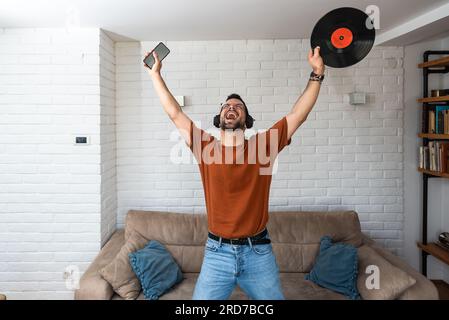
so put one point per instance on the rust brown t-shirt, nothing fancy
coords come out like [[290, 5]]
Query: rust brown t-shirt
[[236, 180]]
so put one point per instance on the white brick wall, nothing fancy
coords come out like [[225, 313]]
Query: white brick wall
[[57, 203], [107, 137], [343, 156], [49, 188]]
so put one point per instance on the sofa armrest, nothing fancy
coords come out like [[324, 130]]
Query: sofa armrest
[[92, 285], [367, 240], [423, 289]]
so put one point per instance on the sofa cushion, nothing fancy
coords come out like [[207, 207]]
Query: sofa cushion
[[168, 227], [156, 269], [392, 280], [309, 227], [336, 268], [119, 272], [92, 285], [295, 235], [293, 284], [188, 258]]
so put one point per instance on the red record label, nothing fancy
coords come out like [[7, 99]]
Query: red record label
[[342, 38]]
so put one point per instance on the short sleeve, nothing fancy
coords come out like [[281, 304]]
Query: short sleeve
[[282, 133], [275, 138], [199, 139]]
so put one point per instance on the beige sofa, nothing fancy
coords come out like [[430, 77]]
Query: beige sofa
[[295, 237]]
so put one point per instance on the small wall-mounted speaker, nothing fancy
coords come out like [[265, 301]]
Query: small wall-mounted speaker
[[356, 98], [180, 100]]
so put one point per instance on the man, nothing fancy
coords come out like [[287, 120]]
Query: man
[[236, 176]]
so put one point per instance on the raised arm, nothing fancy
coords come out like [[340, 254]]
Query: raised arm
[[307, 100], [171, 106]]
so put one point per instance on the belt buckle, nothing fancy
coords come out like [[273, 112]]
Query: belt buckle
[[235, 239]]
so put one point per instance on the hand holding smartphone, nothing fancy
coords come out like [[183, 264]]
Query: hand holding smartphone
[[161, 50]]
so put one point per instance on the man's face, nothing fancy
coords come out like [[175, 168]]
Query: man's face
[[233, 115]]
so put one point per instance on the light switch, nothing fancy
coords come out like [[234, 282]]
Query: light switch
[[82, 140]]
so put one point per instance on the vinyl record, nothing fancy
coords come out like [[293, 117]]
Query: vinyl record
[[345, 36]]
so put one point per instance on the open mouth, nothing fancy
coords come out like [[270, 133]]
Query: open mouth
[[231, 115]]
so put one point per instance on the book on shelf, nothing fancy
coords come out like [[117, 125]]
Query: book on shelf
[[446, 121], [420, 157], [435, 156], [431, 122], [433, 162], [445, 157], [438, 120], [424, 157]]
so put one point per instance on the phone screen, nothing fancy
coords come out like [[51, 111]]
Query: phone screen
[[161, 50]]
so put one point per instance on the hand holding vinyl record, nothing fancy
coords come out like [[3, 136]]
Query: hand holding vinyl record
[[316, 61], [344, 37]]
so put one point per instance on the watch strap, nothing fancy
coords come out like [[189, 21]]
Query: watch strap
[[315, 77]]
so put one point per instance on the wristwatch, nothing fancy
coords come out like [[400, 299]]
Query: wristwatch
[[315, 77]]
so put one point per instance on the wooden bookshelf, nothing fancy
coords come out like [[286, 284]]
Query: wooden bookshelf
[[436, 251], [434, 173], [439, 65], [442, 62], [433, 136], [434, 99]]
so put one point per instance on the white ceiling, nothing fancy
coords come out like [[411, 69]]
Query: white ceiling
[[201, 19]]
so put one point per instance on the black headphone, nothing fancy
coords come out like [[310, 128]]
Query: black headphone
[[248, 122]]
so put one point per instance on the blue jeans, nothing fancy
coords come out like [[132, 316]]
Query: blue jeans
[[252, 267]]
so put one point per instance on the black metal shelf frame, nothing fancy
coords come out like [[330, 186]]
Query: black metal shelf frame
[[425, 115]]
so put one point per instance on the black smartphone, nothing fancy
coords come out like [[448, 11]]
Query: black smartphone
[[161, 50]]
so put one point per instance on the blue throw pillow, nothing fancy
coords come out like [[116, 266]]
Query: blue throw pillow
[[336, 268], [156, 269]]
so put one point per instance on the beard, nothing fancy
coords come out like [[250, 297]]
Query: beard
[[231, 125]]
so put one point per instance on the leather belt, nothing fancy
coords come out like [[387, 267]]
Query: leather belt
[[257, 239]]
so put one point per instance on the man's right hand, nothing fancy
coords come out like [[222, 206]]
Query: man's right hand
[[171, 106], [156, 70]]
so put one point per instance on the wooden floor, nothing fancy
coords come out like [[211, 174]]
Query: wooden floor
[[443, 289]]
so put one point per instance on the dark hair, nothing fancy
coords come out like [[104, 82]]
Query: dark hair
[[249, 120], [235, 96]]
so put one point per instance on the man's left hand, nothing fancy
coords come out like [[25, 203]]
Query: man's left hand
[[316, 61]]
